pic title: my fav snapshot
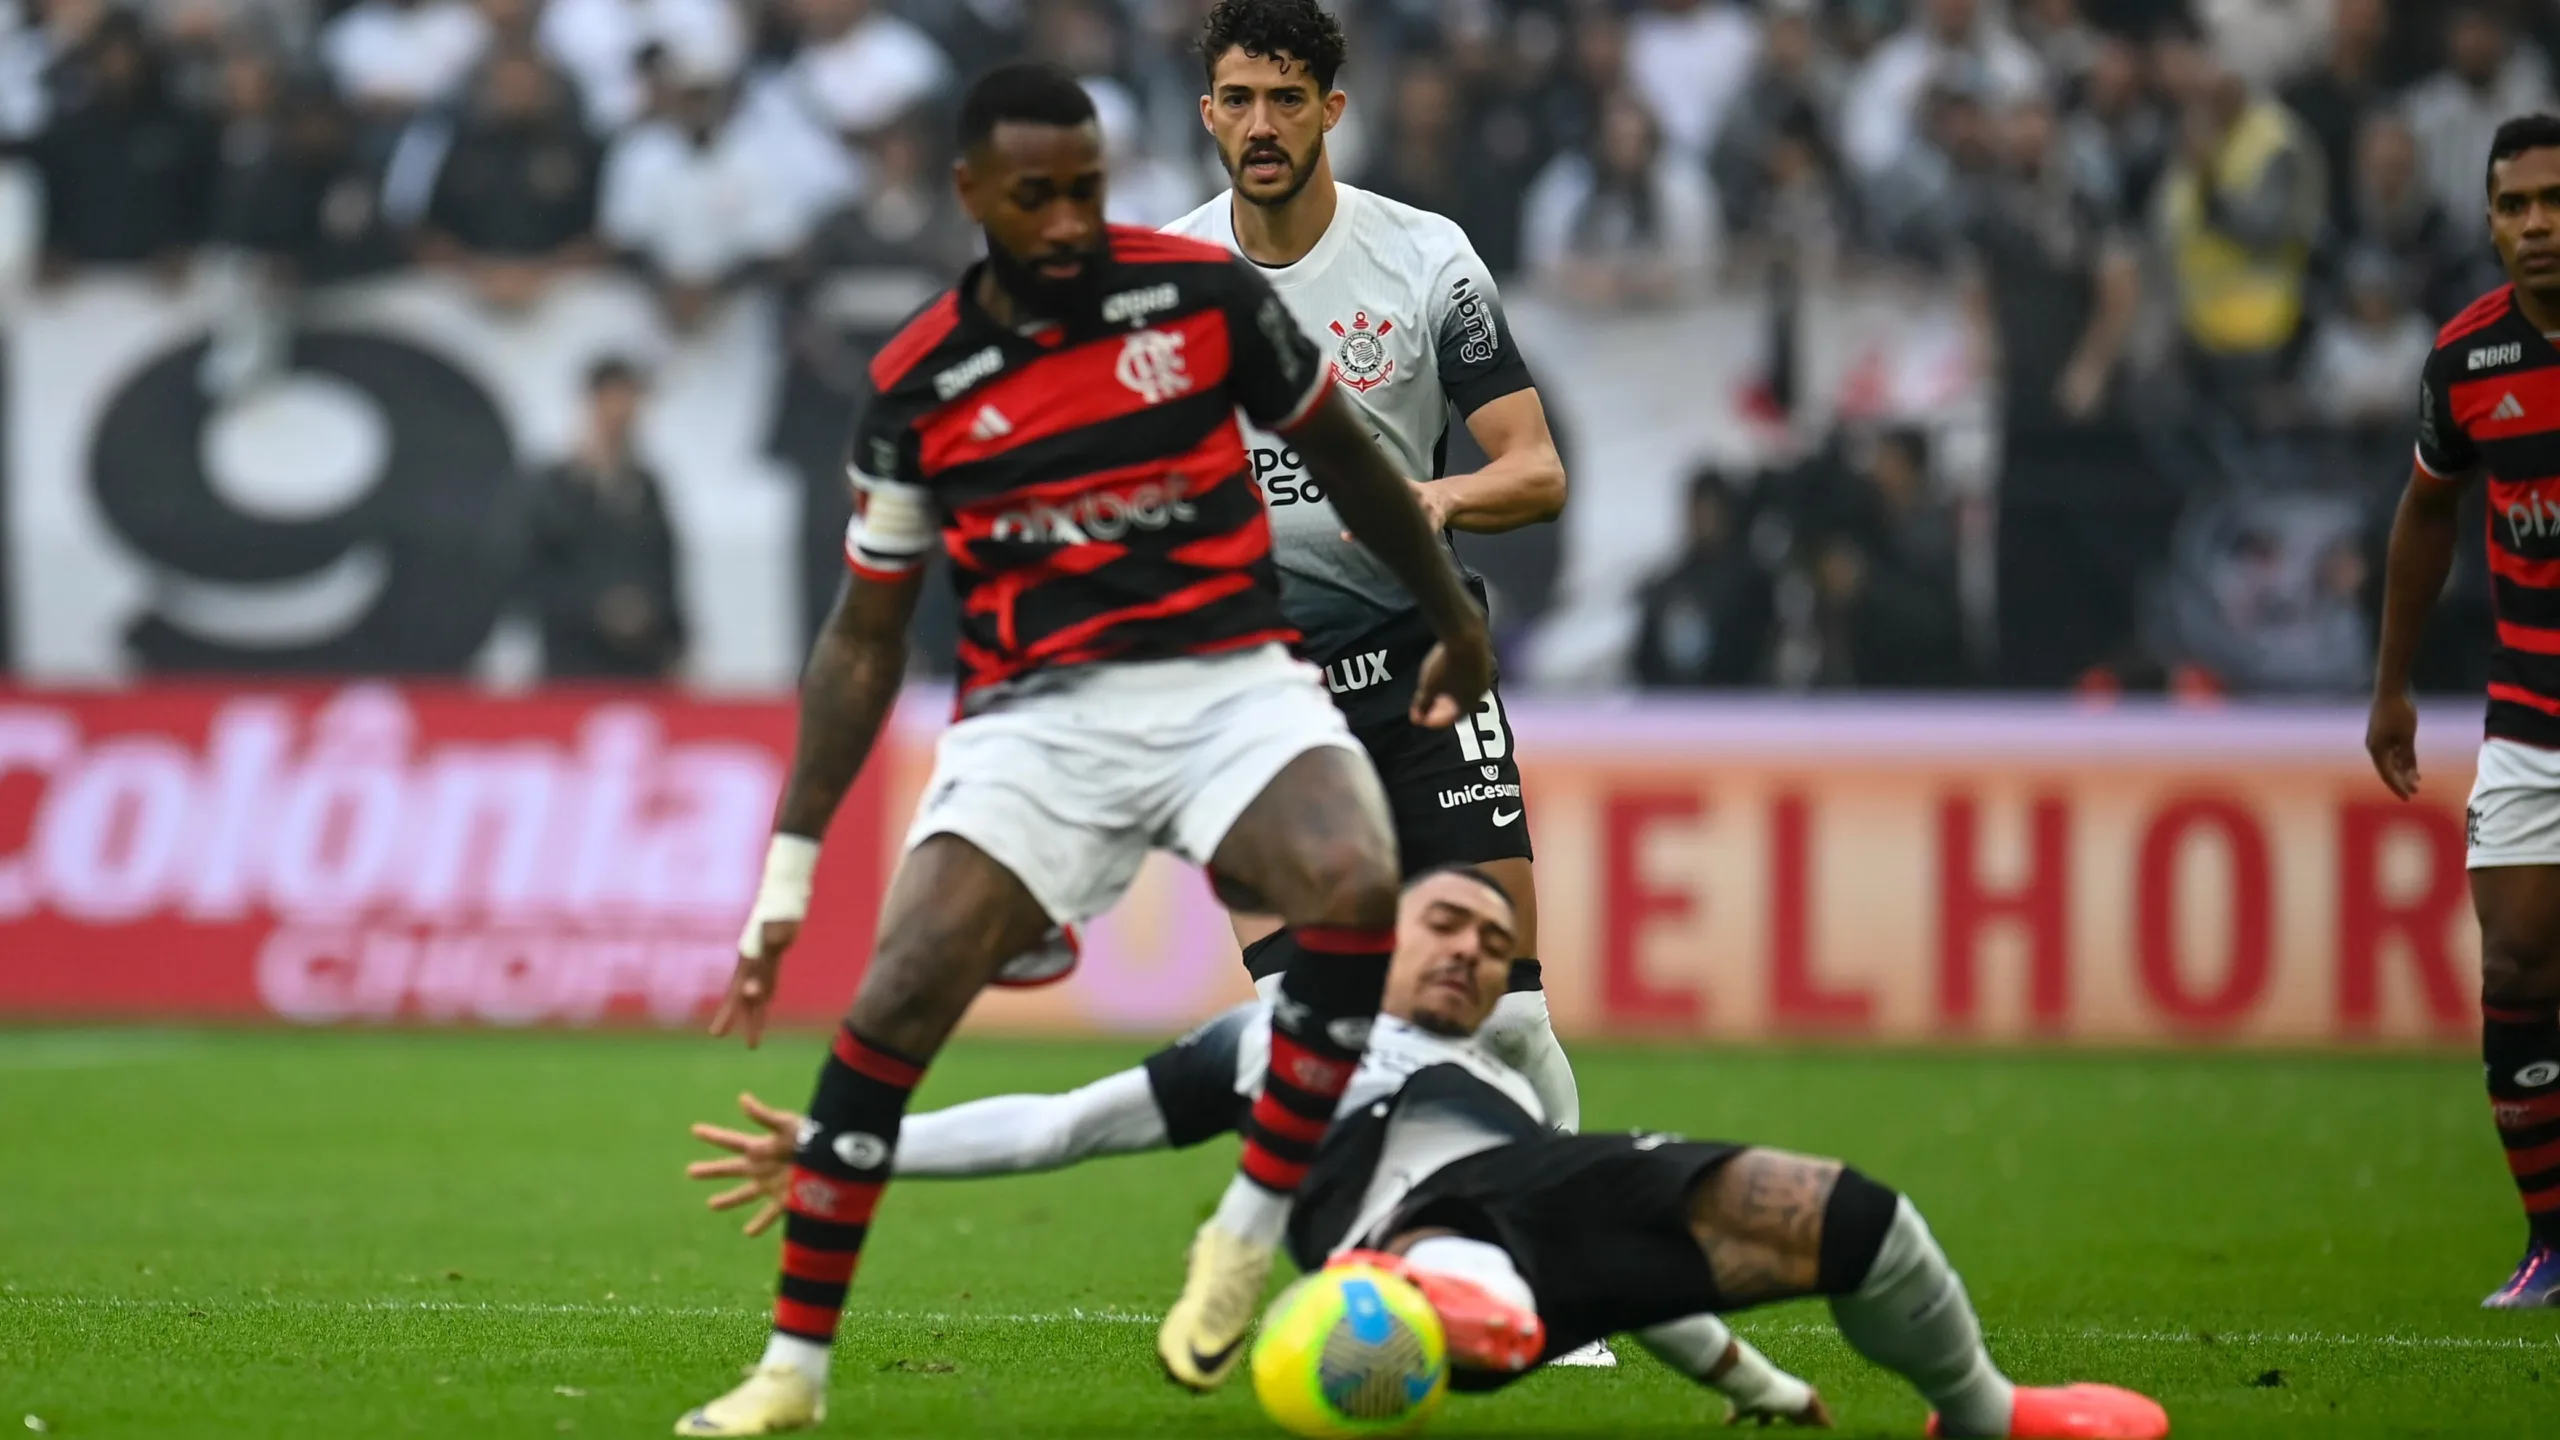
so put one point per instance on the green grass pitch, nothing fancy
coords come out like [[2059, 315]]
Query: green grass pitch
[[255, 1234]]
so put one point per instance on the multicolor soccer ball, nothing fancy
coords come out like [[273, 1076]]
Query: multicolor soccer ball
[[1350, 1351]]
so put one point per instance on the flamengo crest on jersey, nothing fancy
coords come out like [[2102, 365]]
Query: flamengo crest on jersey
[[1397, 301], [2489, 404]]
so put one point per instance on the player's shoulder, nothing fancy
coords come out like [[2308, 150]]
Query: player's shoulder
[[2481, 323], [1405, 237], [927, 341], [1138, 245], [1206, 223]]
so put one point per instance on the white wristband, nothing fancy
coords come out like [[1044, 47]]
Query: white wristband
[[790, 864]]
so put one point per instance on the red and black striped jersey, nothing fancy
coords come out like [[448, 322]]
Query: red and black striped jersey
[[2490, 403], [1087, 480]]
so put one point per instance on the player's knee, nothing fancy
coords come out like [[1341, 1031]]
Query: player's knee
[[1351, 880], [2516, 972]]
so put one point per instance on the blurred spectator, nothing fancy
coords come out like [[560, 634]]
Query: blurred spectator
[[1924, 209], [979, 35], [2120, 118], [600, 43], [601, 569], [861, 67], [2357, 375], [2058, 277], [127, 171], [2237, 217], [1888, 614], [864, 271], [1595, 69], [2064, 41], [1144, 189], [2391, 210], [1947, 42], [27, 49], [699, 199], [1797, 206], [1689, 60], [2266, 42], [391, 58], [1797, 81], [1627, 224], [2335, 97], [516, 199], [2487, 80], [1708, 617]]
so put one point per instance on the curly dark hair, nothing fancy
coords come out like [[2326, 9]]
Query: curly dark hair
[[1273, 29]]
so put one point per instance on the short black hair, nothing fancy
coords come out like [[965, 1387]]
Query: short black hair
[[1270, 29], [2524, 132], [1029, 92], [1476, 873]]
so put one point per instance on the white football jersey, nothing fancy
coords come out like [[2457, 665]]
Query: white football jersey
[[1398, 299]]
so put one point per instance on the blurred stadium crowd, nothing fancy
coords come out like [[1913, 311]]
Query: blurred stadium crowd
[[2197, 249]]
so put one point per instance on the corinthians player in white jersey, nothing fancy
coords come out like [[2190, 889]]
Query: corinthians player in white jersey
[[1408, 314]]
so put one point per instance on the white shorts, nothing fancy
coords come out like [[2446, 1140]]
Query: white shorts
[[2514, 814], [1070, 788]]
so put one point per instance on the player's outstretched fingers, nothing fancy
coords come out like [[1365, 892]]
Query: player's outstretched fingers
[[718, 1169], [780, 1122], [734, 1196], [737, 1140], [763, 1220]]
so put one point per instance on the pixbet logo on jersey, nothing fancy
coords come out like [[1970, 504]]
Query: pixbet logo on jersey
[[1102, 515]]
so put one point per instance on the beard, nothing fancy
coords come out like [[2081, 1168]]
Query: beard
[[1301, 170], [1041, 294]]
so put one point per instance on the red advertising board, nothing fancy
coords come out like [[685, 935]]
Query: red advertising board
[[378, 853], [1922, 873]]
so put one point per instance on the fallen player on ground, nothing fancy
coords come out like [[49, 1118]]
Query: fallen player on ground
[[1531, 1243], [1203, 1086]]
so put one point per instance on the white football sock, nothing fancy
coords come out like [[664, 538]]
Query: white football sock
[[1473, 1260], [1249, 1212], [1522, 1036], [1702, 1348], [809, 1357], [1912, 1317]]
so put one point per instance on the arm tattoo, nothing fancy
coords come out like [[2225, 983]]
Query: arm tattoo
[[1759, 1220]]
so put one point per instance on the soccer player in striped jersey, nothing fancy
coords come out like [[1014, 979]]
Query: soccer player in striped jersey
[[2489, 412], [1062, 426]]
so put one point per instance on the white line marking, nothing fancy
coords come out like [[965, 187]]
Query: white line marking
[[2313, 1338]]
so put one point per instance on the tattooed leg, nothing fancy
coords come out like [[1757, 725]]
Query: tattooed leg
[[1759, 1217]]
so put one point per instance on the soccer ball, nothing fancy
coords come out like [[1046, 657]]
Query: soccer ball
[[1350, 1351]]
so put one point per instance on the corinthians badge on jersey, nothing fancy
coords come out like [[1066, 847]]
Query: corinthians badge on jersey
[[1360, 361]]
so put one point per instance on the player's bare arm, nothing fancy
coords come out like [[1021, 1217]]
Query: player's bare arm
[[1522, 481], [856, 667], [1380, 511], [2422, 540]]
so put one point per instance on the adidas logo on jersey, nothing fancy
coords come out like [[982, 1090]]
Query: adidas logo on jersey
[[990, 424], [2509, 408]]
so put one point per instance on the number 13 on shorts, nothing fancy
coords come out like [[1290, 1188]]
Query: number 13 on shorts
[[1481, 736]]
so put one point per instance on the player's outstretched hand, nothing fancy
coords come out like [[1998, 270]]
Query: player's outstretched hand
[[1456, 676], [763, 1162], [782, 902], [751, 984], [2391, 738]]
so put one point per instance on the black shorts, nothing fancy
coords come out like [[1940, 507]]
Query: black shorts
[[1597, 1224], [1194, 1079], [1455, 793]]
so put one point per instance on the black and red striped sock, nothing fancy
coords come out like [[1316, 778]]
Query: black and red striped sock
[[1319, 1026], [837, 1174], [2522, 1048]]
